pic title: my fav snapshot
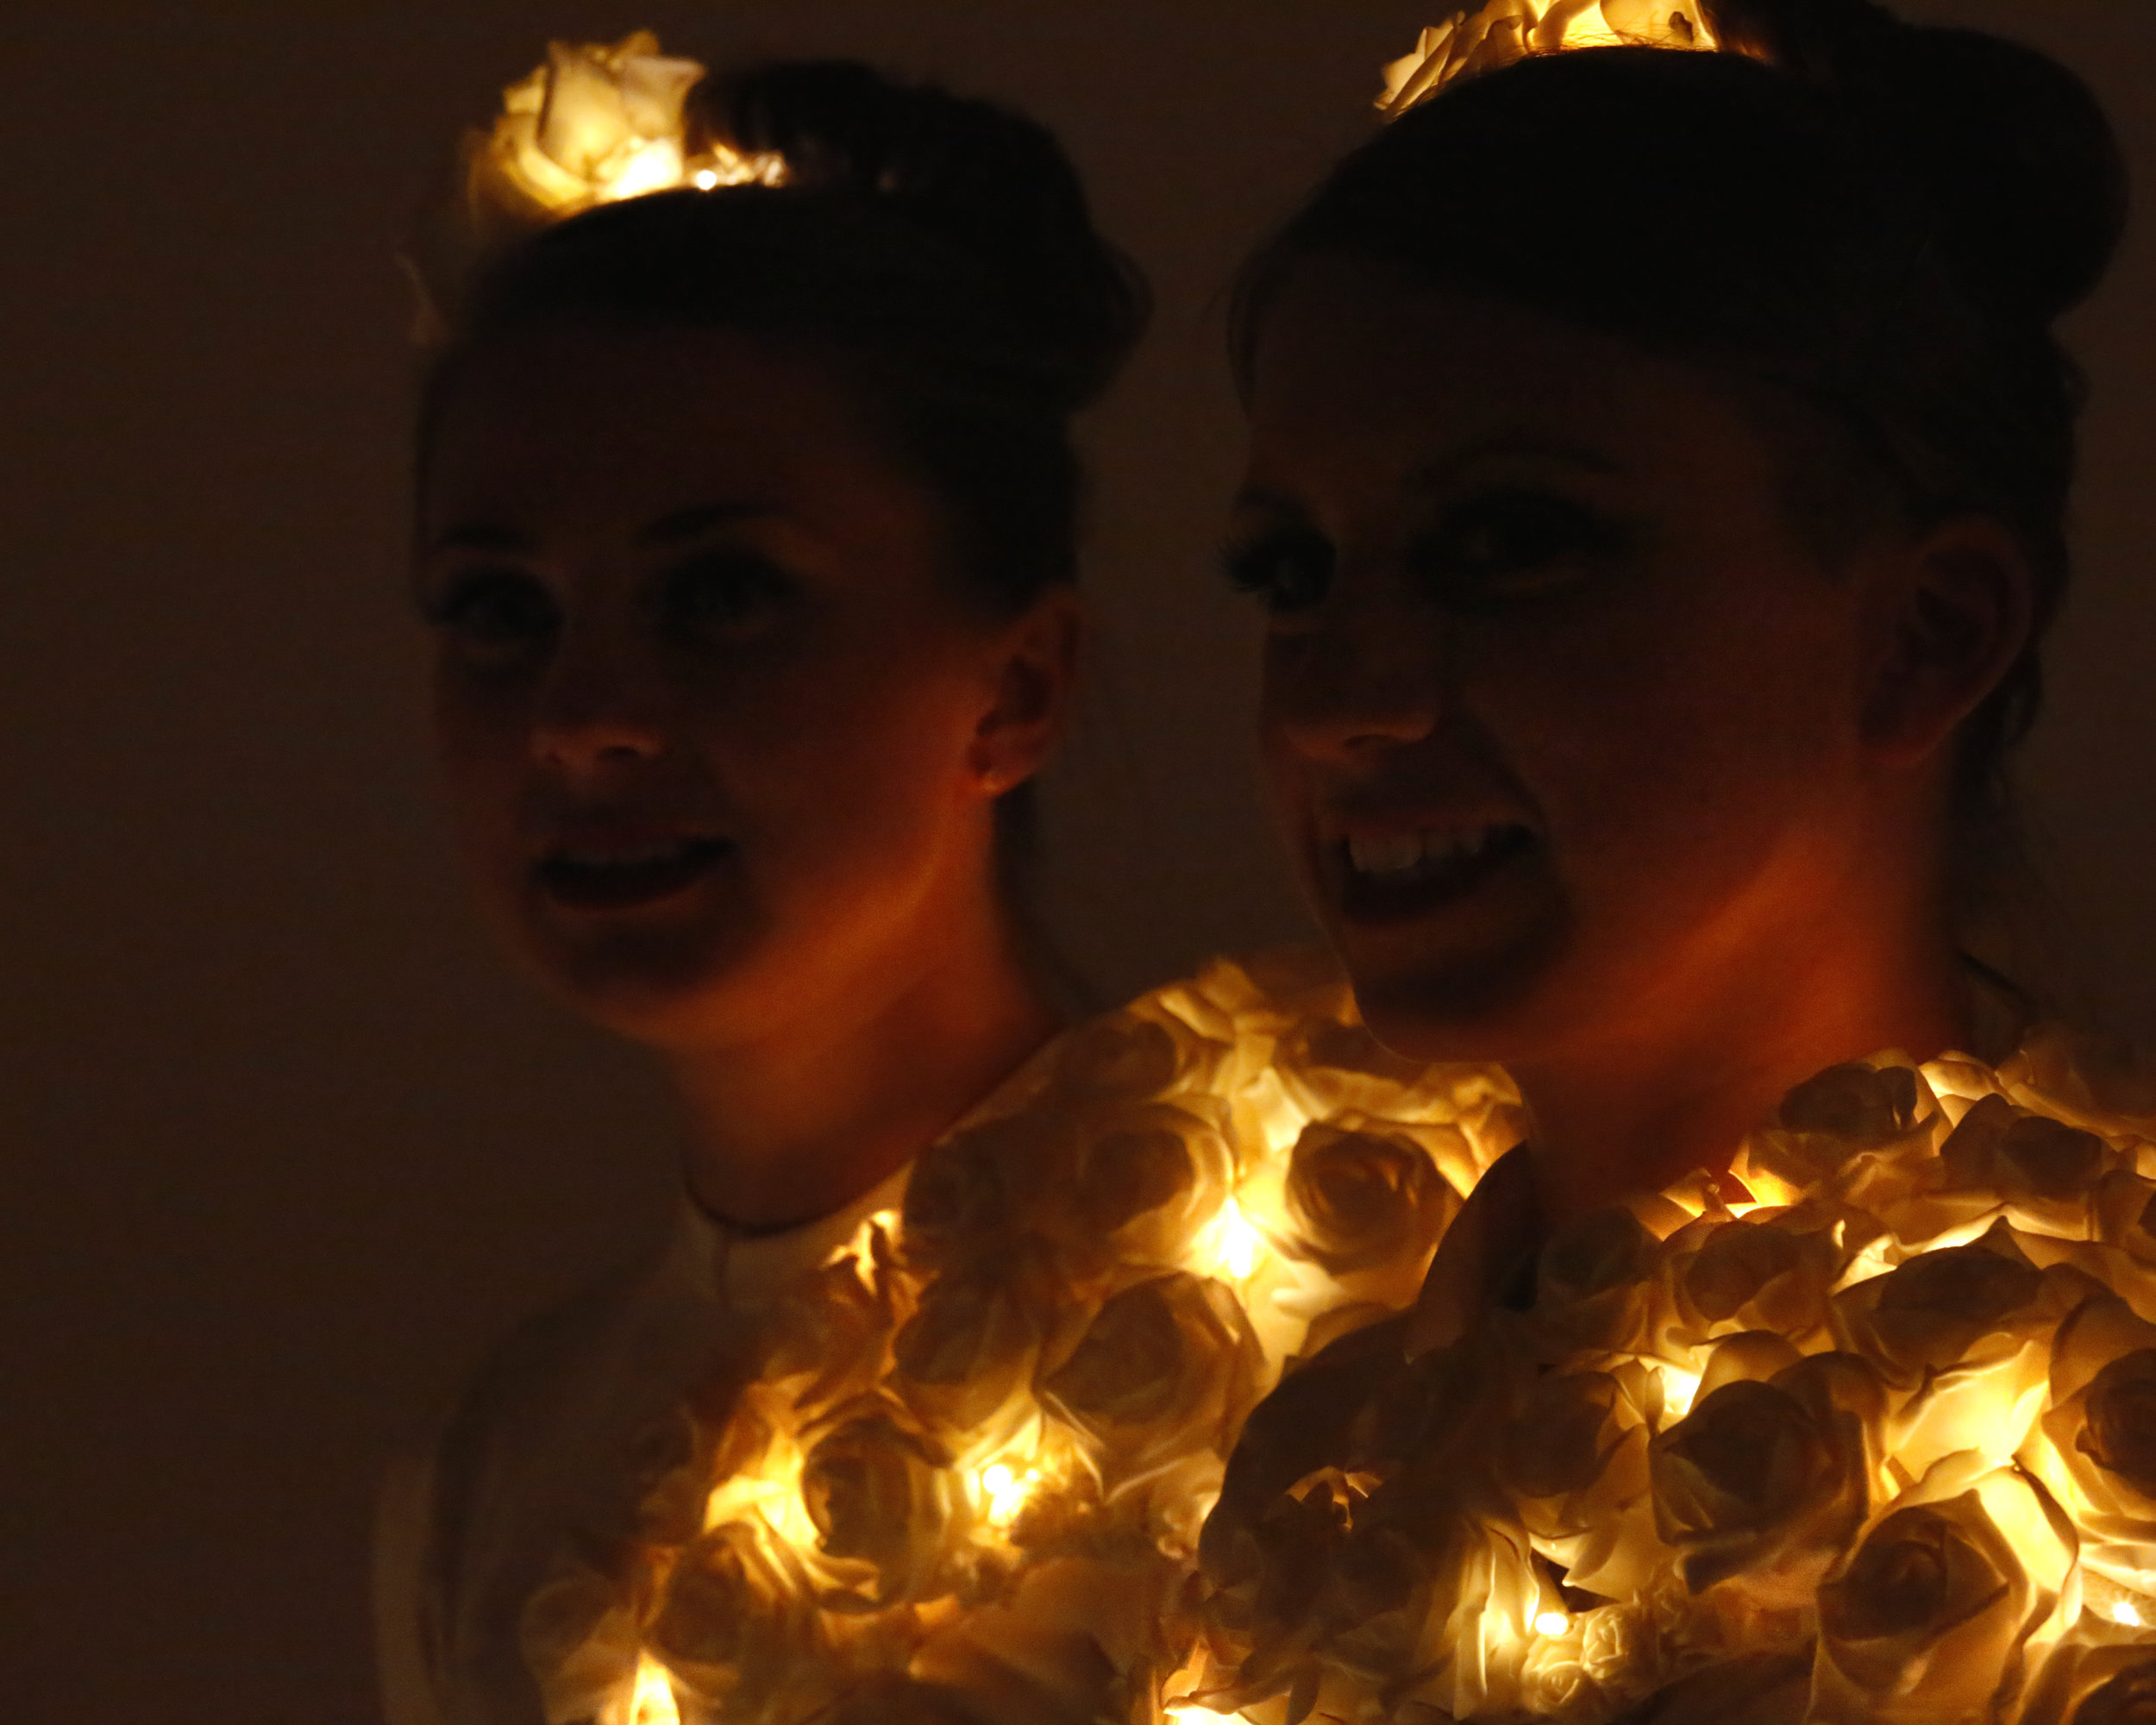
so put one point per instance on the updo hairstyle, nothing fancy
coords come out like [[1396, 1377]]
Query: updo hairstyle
[[1881, 220], [941, 246]]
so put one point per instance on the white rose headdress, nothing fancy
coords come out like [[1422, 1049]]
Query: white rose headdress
[[594, 124], [1490, 34]]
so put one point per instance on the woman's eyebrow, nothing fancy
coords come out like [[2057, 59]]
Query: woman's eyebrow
[[478, 536], [1263, 499], [1437, 475], [685, 524]]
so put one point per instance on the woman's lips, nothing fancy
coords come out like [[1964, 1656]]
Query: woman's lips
[[1400, 877], [627, 876]]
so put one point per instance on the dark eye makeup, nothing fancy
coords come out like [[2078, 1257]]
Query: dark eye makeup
[[1289, 569], [721, 592], [1512, 543], [1501, 546], [494, 613]]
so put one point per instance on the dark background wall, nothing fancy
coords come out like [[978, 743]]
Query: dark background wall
[[280, 1151]]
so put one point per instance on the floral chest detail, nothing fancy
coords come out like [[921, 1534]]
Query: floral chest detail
[[1877, 1445], [962, 1475]]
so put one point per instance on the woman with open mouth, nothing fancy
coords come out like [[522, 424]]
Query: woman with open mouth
[[1659, 460], [746, 508], [745, 532]]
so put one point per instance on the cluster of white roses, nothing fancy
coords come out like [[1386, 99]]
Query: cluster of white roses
[[1878, 1446], [596, 123], [1491, 33], [964, 1476]]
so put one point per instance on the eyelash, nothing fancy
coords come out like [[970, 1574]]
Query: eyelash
[[1541, 542], [494, 613], [745, 587], [501, 614], [1510, 545], [1289, 569]]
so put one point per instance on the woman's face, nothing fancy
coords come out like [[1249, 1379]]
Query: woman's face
[[1562, 719], [718, 721]]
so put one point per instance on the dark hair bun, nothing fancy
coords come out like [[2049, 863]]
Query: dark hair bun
[[987, 180], [2009, 149], [2027, 176]]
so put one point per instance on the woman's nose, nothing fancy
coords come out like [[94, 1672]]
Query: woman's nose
[[602, 702], [1369, 673]]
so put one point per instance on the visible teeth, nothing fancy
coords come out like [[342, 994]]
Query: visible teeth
[[1415, 853], [640, 856]]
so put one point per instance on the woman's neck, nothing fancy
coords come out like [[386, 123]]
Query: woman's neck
[[837, 1092], [1666, 1095]]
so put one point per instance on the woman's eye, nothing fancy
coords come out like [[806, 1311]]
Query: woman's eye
[[1510, 545], [496, 613], [722, 594], [1290, 571]]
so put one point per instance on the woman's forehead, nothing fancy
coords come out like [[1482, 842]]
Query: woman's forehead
[[648, 423], [1361, 367]]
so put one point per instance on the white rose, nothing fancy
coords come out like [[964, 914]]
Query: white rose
[[979, 1192], [2096, 1449], [1747, 1275], [1963, 1337], [1862, 1134], [885, 1504], [1076, 1639], [1763, 1483], [1574, 1461], [1363, 1201], [1593, 1286], [2042, 1174], [1934, 1616], [1160, 1383], [2109, 1684], [1148, 1179], [580, 1639], [735, 1624]]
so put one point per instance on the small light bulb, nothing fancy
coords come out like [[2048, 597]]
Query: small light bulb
[[707, 179], [995, 1481], [1552, 1623], [2124, 1613], [653, 1703], [1239, 1242]]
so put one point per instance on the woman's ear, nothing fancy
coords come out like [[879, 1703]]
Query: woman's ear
[[1954, 610], [1035, 685]]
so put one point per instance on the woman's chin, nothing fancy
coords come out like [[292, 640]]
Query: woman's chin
[[671, 985], [1436, 998]]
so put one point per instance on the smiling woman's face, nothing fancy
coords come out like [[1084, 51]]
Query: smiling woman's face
[[708, 695], [1562, 721]]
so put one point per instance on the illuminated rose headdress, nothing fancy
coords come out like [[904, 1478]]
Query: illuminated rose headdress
[[1490, 34], [594, 124]]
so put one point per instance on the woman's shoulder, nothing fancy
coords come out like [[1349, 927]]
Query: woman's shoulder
[[981, 1437], [575, 1397]]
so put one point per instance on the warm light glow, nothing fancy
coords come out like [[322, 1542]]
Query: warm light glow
[[1007, 1490], [653, 1703], [866, 1245], [599, 123], [770, 1494], [1552, 1623], [1498, 32], [1238, 1243], [2124, 1614], [950, 1512], [1679, 1388]]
